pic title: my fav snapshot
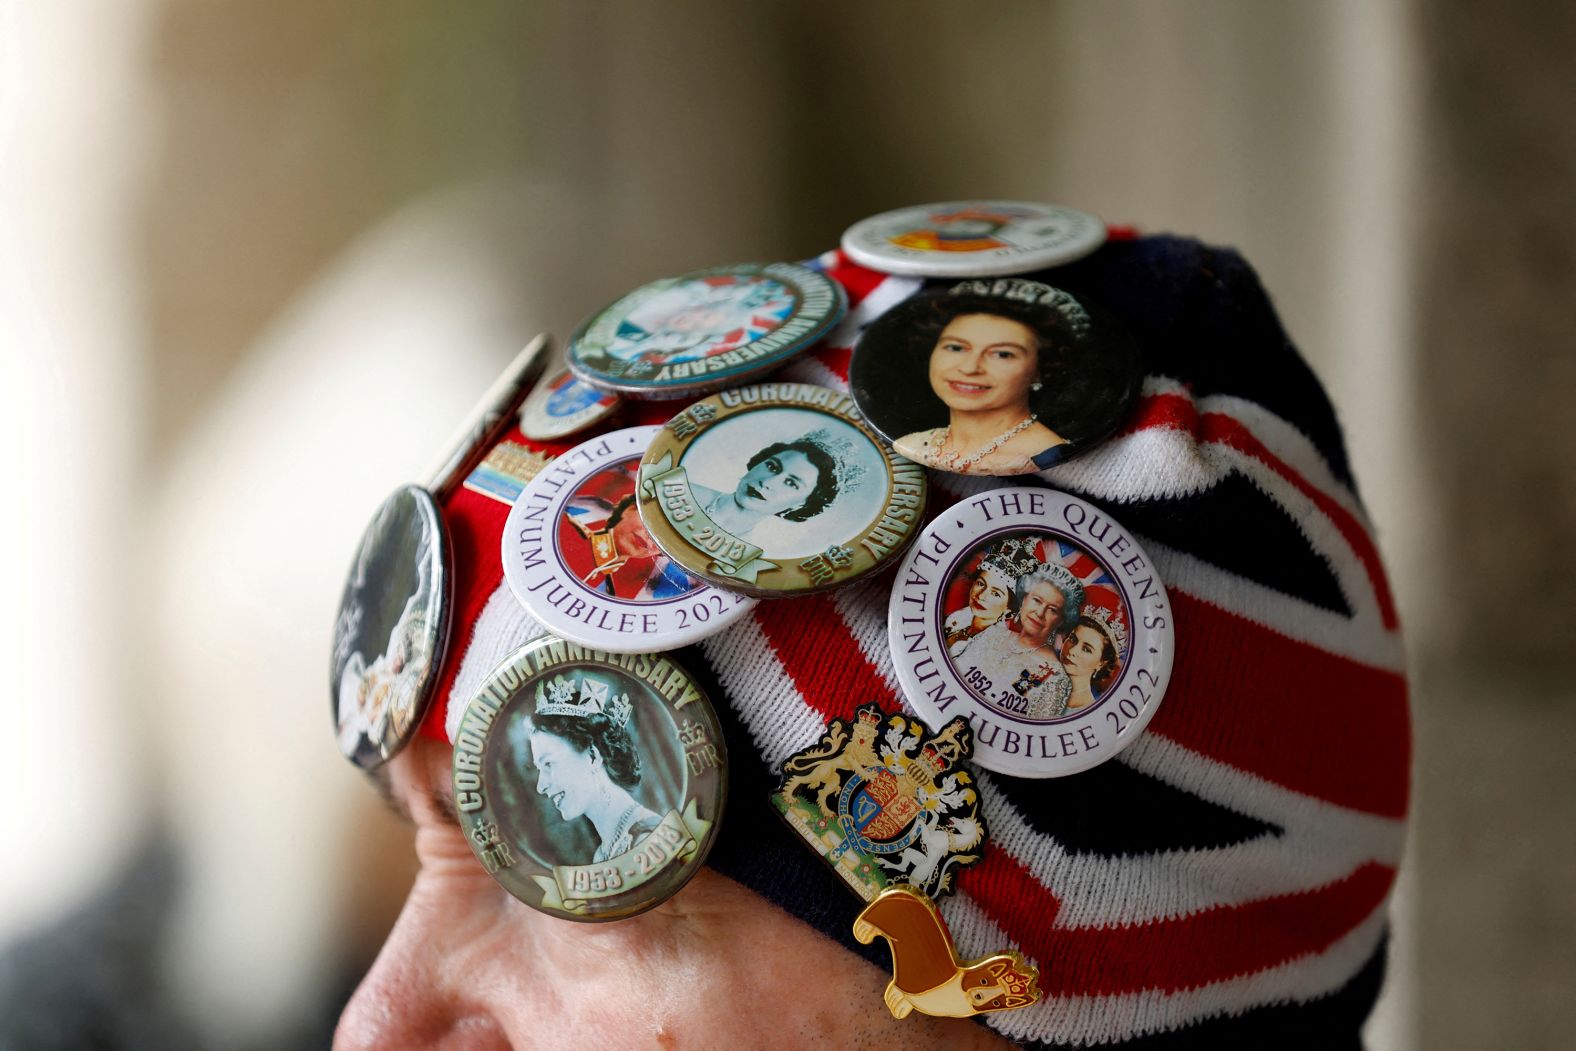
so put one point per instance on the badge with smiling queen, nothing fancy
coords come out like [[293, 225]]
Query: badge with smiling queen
[[778, 489], [995, 377], [589, 784]]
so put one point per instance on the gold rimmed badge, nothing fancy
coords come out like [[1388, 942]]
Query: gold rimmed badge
[[778, 489]]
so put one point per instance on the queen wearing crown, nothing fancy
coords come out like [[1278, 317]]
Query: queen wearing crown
[[1019, 654], [586, 762], [990, 593], [794, 481], [997, 356], [1092, 655]]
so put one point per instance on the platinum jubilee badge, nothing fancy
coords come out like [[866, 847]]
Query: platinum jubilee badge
[[1042, 621], [778, 489], [589, 784], [577, 555]]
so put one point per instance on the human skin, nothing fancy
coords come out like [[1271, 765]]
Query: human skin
[[467, 966]]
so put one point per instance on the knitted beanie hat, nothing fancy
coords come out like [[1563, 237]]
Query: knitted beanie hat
[[1223, 882]]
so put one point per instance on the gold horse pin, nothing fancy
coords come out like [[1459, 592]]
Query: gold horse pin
[[927, 975]]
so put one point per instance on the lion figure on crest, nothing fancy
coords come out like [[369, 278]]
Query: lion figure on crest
[[820, 769]]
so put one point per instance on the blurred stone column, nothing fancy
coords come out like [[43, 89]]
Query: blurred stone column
[[1497, 705]]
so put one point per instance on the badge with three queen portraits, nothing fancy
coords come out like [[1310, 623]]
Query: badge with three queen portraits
[[1041, 620], [589, 784], [778, 489]]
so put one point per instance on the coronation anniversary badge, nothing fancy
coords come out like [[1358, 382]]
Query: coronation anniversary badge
[[778, 489], [683, 336], [589, 783]]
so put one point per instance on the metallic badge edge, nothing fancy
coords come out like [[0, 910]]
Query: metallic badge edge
[[902, 505], [442, 588]]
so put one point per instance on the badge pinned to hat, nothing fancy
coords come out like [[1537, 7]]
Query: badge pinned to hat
[[588, 783], [578, 557], [894, 812], [997, 376], [778, 489], [393, 620], [973, 238], [689, 335], [1042, 620]]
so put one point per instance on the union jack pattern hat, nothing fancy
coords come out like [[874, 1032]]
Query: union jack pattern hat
[[1224, 881]]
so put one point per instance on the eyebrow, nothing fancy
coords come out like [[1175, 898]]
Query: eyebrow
[[442, 802]]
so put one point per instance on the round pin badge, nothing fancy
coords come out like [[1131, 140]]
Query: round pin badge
[[391, 628], [998, 376], [973, 238], [1040, 619], [563, 405], [589, 784], [577, 555], [778, 489], [685, 336]]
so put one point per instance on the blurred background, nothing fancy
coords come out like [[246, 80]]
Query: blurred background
[[257, 259]]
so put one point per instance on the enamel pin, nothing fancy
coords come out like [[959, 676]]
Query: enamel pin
[[927, 975], [886, 803], [1040, 619]]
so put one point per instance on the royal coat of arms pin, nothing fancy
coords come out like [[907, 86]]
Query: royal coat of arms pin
[[886, 803]]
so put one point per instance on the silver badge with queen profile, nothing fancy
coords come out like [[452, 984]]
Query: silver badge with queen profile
[[589, 784], [778, 489]]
